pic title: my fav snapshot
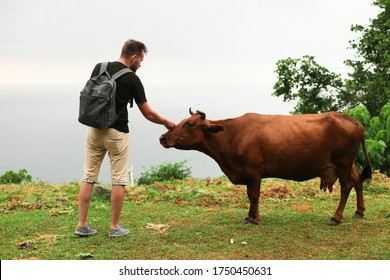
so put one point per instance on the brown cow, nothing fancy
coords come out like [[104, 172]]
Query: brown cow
[[300, 147]]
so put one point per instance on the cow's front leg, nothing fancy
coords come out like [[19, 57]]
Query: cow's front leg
[[253, 191]]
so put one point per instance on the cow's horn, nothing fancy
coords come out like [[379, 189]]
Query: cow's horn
[[202, 114]]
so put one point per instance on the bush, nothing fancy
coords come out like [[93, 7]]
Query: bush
[[12, 177], [377, 135], [165, 172]]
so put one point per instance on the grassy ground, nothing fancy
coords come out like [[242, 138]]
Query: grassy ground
[[196, 219]]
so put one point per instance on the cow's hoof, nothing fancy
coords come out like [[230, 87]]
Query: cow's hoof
[[333, 222], [248, 221], [358, 215]]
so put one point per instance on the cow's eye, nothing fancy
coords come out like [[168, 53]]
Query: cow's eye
[[189, 125]]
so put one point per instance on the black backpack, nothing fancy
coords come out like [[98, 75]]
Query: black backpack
[[97, 99]]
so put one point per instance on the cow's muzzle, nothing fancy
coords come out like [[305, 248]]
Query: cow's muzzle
[[163, 141]]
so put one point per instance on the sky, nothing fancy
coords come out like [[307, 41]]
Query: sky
[[207, 42]]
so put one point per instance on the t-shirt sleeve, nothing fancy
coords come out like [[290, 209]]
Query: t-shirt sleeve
[[138, 90]]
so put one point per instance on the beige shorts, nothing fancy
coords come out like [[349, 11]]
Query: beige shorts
[[100, 141]]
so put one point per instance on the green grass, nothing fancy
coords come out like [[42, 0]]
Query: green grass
[[203, 219]]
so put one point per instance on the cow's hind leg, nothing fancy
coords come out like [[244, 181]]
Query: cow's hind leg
[[253, 191], [358, 185], [345, 188]]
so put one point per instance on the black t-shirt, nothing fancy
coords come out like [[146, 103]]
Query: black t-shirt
[[128, 87]]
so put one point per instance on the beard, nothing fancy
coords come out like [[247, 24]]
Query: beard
[[133, 68]]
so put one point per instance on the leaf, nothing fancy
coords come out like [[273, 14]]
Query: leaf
[[159, 227], [57, 212], [50, 236]]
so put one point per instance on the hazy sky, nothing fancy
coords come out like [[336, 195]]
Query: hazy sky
[[190, 42]]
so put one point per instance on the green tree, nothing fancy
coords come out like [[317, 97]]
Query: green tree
[[370, 79], [317, 89]]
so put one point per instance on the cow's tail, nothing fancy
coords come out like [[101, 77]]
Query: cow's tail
[[367, 170]]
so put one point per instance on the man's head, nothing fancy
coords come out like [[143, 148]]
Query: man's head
[[133, 53]]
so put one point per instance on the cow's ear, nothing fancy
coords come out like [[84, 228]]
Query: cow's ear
[[214, 128]]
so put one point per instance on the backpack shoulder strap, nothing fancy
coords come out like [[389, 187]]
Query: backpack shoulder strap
[[121, 73], [103, 67]]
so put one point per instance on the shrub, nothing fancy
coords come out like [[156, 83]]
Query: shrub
[[165, 172], [12, 177], [377, 135]]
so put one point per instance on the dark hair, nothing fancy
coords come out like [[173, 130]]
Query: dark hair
[[132, 46]]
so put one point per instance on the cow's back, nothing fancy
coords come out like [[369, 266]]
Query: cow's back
[[295, 147]]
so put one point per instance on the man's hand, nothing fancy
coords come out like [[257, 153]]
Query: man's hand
[[169, 124]]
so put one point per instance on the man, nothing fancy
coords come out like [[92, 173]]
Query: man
[[115, 140]]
